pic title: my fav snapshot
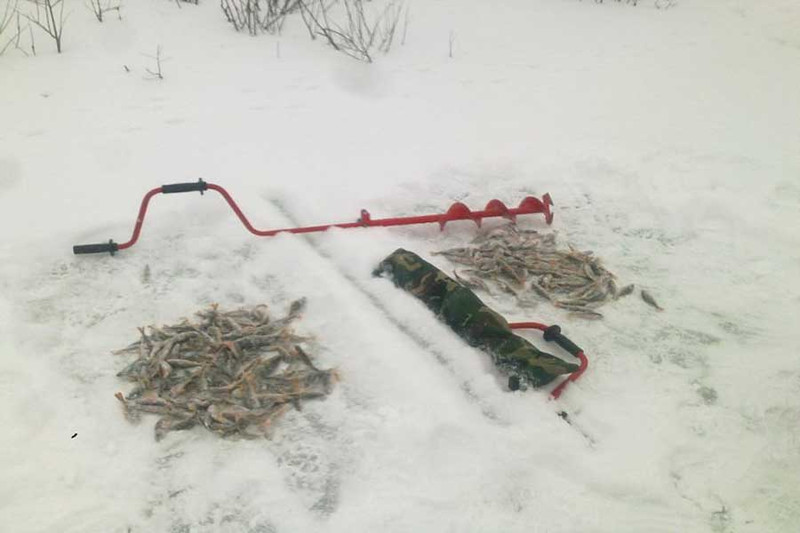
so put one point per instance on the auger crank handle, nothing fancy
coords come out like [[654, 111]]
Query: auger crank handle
[[191, 186], [104, 247], [553, 333]]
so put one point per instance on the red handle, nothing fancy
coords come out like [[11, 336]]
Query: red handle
[[556, 392]]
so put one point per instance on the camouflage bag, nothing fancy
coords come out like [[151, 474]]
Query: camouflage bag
[[468, 316]]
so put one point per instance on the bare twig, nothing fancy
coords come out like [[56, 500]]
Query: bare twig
[[100, 7], [258, 15], [452, 40], [388, 26], [358, 34], [8, 15], [156, 74], [53, 24], [30, 31], [276, 12], [315, 17], [355, 33], [243, 14], [309, 13]]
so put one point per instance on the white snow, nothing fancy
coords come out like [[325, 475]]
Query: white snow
[[668, 139]]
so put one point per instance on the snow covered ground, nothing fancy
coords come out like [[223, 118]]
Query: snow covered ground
[[669, 140]]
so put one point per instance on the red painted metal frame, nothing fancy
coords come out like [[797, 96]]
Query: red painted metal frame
[[137, 229], [457, 211], [556, 392]]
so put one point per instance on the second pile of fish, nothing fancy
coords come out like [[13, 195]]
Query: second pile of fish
[[529, 265], [232, 372]]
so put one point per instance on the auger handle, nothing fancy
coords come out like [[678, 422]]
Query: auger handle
[[191, 186], [553, 333], [103, 247]]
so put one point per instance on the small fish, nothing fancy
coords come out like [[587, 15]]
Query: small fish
[[589, 271], [611, 287], [164, 369], [453, 251], [130, 414], [305, 358], [183, 363], [506, 287], [148, 408], [297, 307], [477, 283], [170, 423], [648, 298], [624, 291], [217, 374], [587, 314], [471, 282], [132, 371], [538, 289], [511, 258]]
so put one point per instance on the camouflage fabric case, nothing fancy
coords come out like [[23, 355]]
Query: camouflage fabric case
[[473, 320]]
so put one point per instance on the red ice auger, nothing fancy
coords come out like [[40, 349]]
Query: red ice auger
[[457, 211]]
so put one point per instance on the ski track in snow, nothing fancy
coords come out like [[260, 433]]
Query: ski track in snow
[[667, 139], [376, 305]]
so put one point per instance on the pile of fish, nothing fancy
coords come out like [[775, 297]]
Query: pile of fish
[[233, 372], [529, 265]]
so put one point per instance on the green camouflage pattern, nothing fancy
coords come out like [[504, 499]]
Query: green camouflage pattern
[[473, 320]]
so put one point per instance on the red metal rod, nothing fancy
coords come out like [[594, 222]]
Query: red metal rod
[[137, 229], [458, 211], [556, 392], [527, 325]]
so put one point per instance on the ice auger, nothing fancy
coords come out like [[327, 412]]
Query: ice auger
[[457, 211]]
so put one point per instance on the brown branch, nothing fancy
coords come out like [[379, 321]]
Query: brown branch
[[52, 27]]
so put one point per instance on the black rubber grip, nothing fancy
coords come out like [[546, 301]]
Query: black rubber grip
[[553, 333], [199, 185], [103, 247]]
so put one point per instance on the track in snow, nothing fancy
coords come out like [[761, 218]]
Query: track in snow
[[488, 410]]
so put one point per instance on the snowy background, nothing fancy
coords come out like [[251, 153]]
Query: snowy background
[[668, 138]]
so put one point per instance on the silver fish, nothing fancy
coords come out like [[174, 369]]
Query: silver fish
[[648, 298], [216, 373], [624, 291]]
